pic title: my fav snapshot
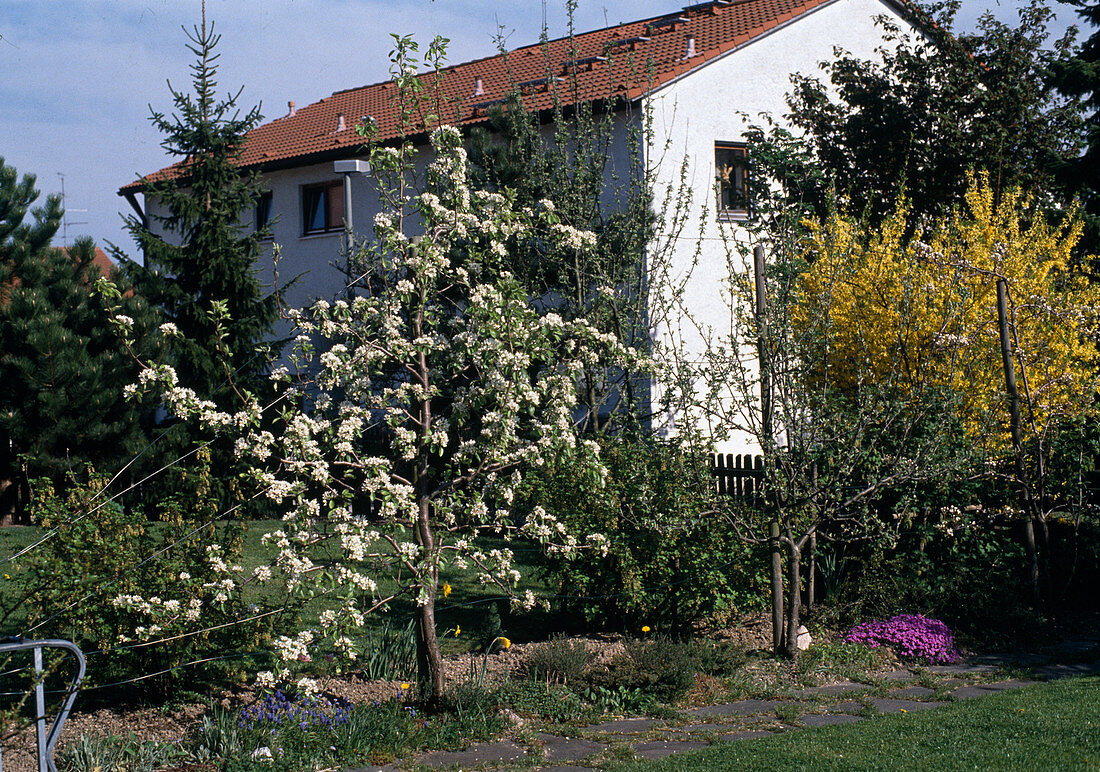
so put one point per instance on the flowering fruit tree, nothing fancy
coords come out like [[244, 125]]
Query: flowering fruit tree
[[411, 409]]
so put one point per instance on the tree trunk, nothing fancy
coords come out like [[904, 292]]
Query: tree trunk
[[1032, 558], [429, 661], [1008, 363], [794, 576], [777, 588]]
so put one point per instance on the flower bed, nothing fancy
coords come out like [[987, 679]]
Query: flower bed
[[910, 635]]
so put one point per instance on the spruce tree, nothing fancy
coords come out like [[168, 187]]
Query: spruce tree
[[199, 256], [62, 366]]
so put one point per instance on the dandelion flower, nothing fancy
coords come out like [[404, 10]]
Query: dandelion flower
[[404, 686], [645, 628], [458, 630], [446, 589]]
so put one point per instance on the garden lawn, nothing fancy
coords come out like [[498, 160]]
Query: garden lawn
[[1055, 725]]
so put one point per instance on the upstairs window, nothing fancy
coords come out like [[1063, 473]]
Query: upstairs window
[[731, 172], [263, 211], [323, 208]]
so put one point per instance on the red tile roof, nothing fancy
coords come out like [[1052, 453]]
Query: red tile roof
[[624, 62]]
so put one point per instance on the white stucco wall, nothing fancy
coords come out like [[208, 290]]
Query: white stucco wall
[[706, 105]]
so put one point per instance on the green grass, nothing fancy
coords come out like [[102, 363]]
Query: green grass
[[1050, 726]]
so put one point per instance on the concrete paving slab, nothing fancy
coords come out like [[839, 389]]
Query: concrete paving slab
[[827, 719], [557, 748], [624, 726], [478, 753], [742, 708], [900, 676], [887, 705], [660, 749]]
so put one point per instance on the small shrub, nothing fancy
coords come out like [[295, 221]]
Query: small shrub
[[660, 668], [911, 635], [108, 579], [720, 659], [559, 660], [669, 561]]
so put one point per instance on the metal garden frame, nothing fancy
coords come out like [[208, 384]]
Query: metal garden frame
[[45, 741]]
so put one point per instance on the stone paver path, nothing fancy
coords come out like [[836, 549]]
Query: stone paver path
[[744, 720]]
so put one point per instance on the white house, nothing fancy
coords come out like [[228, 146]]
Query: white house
[[695, 72]]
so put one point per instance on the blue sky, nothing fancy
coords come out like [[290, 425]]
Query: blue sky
[[78, 76]]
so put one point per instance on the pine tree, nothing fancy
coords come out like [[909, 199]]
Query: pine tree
[[62, 367], [199, 256]]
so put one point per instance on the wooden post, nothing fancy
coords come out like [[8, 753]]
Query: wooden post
[[811, 571]]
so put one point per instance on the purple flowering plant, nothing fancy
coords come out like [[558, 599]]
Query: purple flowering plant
[[278, 710], [910, 635]]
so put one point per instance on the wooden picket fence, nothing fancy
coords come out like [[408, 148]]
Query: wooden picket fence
[[736, 475]]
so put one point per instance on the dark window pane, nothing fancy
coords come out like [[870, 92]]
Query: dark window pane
[[314, 204], [263, 211], [730, 164]]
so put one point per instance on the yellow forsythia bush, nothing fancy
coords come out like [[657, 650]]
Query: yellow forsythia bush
[[911, 311]]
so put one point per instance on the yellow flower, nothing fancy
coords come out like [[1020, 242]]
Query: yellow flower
[[446, 589], [458, 630], [645, 628], [404, 687], [6, 576], [504, 642]]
